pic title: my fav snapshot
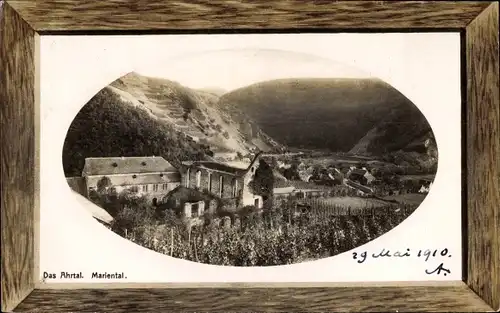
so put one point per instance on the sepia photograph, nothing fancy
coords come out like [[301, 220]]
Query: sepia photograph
[[204, 155], [270, 160]]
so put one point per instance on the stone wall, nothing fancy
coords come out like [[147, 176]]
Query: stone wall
[[194, 209], [135, 179], [205, 176], [77, 184], [212, 206]]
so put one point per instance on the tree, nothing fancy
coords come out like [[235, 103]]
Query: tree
[[292, 173], [132, 214], [274, 162], [107, 126], [103, 183], [263, 183]]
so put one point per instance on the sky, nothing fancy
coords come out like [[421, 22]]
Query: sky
[[230, 61], [230, 69]]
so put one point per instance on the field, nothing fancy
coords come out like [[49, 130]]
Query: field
[[408, 198], [337, 206], [418, 177], [334, 158], [353, 202]]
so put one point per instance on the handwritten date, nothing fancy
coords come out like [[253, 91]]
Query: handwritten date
[[426, 255]]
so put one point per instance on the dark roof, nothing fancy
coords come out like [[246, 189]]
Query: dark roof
[[344, 170], [358, 171], [126, 165], [359, 186], [306, 185], [222, 167], [279, 183]]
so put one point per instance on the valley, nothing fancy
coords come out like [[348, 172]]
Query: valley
[[229, 176]]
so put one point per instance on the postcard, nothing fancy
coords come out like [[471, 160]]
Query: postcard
[[250, 158]]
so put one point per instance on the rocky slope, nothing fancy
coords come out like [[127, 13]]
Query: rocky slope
[[194, 112]]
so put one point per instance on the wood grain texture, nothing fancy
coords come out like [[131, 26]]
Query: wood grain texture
[[18, 157], [483, 155], [18, 145], [457, 298], [119, 15]]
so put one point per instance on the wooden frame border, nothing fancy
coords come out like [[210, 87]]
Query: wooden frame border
[[22, 22]]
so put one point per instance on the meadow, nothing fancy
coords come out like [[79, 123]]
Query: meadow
[[408, 198]]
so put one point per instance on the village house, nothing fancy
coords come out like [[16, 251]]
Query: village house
[[283, 165], [305, 172], [246, 160], [305, 176], [336, 174], [152, 176], [362, 189], [425, 186], [362, 176]]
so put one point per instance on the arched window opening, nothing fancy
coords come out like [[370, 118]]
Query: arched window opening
[[234, 187], [221, 186], [198, 179], [187, 178], [209, 182]]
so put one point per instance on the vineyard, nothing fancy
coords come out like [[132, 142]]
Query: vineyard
[[324, 207], [283, 237]]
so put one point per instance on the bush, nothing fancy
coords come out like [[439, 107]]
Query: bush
[[103, 183]]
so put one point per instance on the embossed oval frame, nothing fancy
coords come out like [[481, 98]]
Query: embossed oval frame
[[22, 22]]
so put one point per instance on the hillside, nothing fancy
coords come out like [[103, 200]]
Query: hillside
[[365, 116], [213, 90], [193, 112], [107, 126]]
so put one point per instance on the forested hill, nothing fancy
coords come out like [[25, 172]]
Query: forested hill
[[140, 116], [334, 114], [109, 127]]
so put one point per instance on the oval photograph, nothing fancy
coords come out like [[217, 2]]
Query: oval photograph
[[249, 157]]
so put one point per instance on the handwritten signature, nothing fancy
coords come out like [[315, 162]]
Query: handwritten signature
[[438, 270]]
